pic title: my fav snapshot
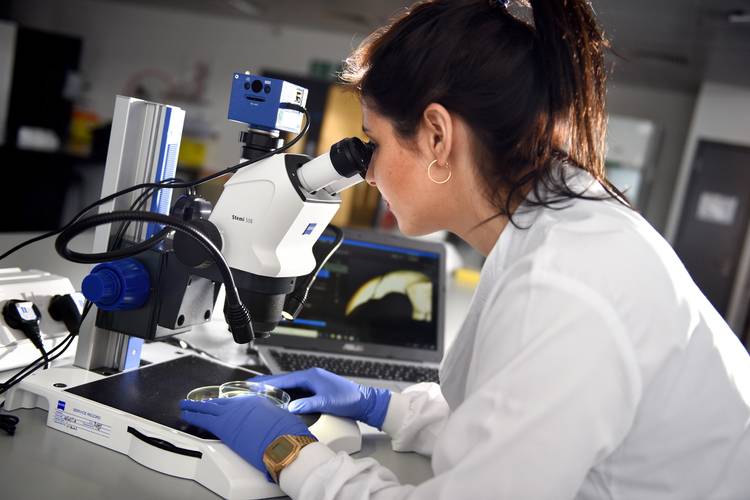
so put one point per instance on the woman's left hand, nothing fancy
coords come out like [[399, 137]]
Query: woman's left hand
[[246, 424]]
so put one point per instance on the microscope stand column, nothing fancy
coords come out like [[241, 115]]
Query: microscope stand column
[[143, 147]]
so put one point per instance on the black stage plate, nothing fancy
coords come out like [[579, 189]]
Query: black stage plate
[[154, 392]]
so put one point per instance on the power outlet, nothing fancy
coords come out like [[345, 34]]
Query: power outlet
[[38, 287]]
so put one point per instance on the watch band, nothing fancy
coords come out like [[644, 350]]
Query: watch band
[[275, 464]]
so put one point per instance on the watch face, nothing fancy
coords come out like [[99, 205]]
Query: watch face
[[280, 450]]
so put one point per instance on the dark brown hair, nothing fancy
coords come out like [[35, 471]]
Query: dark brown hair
[[531, 95]]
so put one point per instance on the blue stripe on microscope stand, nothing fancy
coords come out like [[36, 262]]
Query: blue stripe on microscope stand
[[162, 172], [160, 202], [133, 356]]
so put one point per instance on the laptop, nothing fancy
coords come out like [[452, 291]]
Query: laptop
[[375, 314]]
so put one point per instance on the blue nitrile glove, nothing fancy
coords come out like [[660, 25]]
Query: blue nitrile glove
[[247, 424], [333, 394]]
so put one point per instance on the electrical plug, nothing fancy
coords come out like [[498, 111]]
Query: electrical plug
[[68, 308], [25, 316]]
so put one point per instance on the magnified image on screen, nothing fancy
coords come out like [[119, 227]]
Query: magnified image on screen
[[407, 294]]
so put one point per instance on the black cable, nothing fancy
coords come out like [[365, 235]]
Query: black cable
[[8, 422], [235, 312], [53, 354], [61, 244], [36, 365], [69, 340], [54, 350], [117, 240], [29, 242], [172, 185], [32, 367], [137, 204], [337, 241], [63, 346], [296, 300]]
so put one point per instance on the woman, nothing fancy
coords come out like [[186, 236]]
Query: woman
[[590, 365]]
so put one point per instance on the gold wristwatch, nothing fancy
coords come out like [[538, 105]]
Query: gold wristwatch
[[282, 451]]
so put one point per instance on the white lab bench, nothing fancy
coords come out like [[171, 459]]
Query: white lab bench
[[40, 462]]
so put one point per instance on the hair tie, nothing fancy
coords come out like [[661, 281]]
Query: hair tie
[[500, 3]]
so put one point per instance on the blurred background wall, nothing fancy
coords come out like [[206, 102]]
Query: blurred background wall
[[162, 49], [679, 92]]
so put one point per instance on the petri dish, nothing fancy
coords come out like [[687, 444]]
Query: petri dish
[[203, 393], [246, 388]]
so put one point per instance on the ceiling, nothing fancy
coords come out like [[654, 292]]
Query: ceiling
[[678, 43], [663, 43]]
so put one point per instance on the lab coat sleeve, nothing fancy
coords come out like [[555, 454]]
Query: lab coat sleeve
[[416, 417], [556, 388]]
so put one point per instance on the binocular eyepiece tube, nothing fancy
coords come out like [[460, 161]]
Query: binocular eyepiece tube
[[347, 158]]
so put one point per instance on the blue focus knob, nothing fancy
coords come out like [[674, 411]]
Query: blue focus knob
[[118, 285], [102, 287]]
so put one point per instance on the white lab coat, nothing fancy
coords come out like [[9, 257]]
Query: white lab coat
[[590, 366]]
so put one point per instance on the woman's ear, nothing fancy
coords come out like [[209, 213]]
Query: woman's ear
[[437, 124]]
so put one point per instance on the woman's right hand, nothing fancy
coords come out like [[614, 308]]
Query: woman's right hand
[[333, 394]]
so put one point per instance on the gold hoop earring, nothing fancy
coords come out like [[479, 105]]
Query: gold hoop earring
[[429, 173]]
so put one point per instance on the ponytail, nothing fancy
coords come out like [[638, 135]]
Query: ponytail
[[570, 52]]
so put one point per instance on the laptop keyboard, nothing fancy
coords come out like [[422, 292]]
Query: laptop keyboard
[[355, 367]]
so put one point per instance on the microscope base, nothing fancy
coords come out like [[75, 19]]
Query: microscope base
[[100, 410]]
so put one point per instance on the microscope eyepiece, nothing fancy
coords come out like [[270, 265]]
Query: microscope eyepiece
[[351, 156], [337, 169]]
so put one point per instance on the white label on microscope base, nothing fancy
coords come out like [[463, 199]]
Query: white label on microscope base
[[76, 419]]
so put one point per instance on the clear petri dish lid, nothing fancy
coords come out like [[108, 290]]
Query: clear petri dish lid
[[203, 393], [238, 388]]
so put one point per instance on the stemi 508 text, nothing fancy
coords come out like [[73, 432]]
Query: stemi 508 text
[[246, 220]]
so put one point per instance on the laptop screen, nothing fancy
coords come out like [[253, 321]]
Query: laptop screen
[[376, 290]]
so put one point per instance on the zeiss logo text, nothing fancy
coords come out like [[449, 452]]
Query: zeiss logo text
[[309, 229]]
